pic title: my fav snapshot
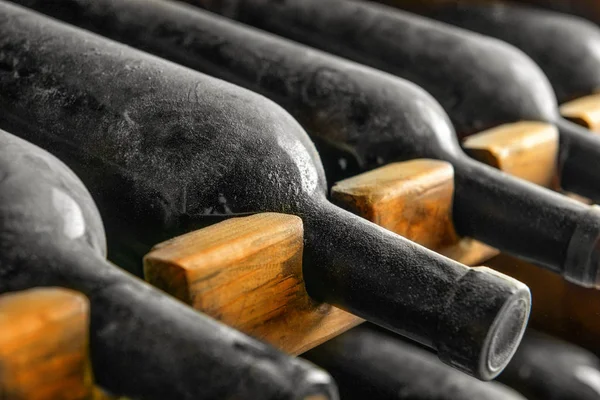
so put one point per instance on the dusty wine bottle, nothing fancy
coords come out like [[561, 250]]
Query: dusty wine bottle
[[589, 9], [143, 342], [480, 82], [567, 48], [163, 147], [369, 364], [547, 368], [377, 118]]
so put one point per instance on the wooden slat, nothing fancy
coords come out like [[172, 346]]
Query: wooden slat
[[528, 150], [247, 272], [413, 199], [44, 345], [584, 111]]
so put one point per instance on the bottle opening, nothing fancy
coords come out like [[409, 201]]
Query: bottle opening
[[505, 335]]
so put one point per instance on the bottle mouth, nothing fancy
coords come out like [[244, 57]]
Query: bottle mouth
[[483, 323], [504, 336]]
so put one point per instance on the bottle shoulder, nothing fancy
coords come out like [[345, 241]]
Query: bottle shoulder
[[177, 142], [41, 197], [480, 81], [566, 47]]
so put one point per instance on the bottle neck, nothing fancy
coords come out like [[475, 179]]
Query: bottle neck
[[365, 269], [380, 276], [515, 216], [580, 155]]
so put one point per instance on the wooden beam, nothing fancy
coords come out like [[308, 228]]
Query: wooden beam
[[413, 199], [584, 111], [44, 345], [247, 272], [528, 150]]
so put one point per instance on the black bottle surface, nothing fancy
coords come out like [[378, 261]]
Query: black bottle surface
[[566, 48], [369, 364], [373, 116], [163, 148], [589, 9], [545, 368], [143, 342], [480, 82]]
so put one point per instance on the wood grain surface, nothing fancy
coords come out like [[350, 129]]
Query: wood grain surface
[[584, 111], [44, 345], [247, 272], [528, 150]]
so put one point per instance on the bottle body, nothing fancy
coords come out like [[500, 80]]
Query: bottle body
[[437, 57], [545, 367], [368, 363], [161, 139], [566, 48]]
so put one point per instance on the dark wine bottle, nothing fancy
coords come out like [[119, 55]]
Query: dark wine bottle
[[369, 364], [480, 82], [375, 117], [547, 368], [566, 48], [163, 148], [589, 9], [143, 342]]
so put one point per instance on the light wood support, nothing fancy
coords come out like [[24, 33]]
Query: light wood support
[[584, 111], [413, 199], [247, 272], [528, 150], [44, 346]]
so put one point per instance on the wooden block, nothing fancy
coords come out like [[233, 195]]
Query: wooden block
[[413, 199], [559, 307], [584, 111], [44, 345], [247, 272], [528, 150]]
